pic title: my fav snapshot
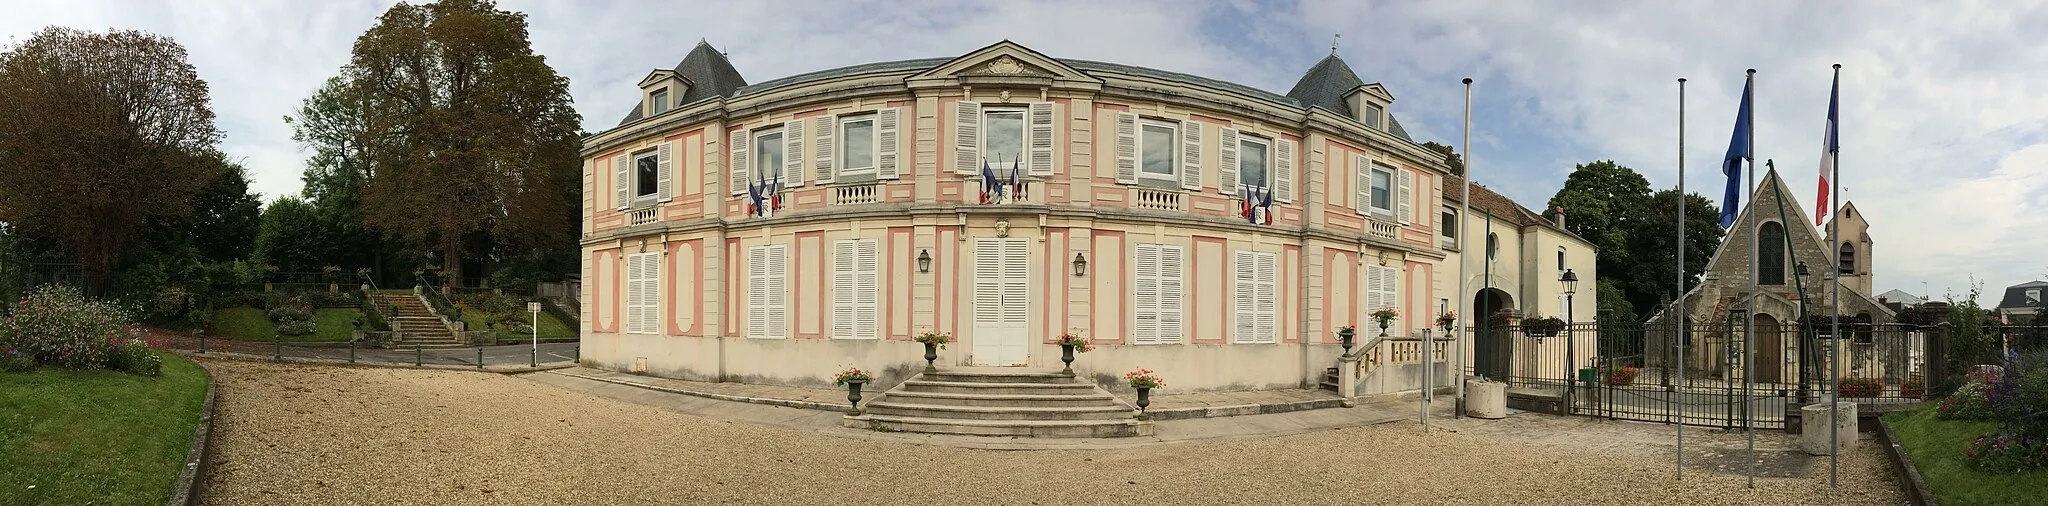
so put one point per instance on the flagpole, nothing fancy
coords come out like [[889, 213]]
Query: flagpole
[[1464, 215], [1749, 325], [1835, 322], [1680, 322]]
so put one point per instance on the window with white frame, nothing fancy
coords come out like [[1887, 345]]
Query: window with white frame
[[1381, 196], [1002, 140], [1253, 161], [1158, 146], [1560, 259], [1256, 297], [857, 145], [658, 103], [1373, 112], [643, 282], [768, 155], [1157, 294], [768, 292], [1450, 225], [856, 289], [646, 175]]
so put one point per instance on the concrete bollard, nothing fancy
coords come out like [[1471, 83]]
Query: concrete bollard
[[1814, 430], [1486, 399]]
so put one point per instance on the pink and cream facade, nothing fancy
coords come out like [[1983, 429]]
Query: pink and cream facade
[[1129, 228]]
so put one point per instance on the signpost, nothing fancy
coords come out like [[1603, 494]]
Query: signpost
[[534, 359]]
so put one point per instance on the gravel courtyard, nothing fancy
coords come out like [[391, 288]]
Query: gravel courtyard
[[295, 434]]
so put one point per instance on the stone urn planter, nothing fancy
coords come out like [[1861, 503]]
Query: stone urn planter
[[1070, 342], [1345, 334], [853, 396], [931, 357], [1144, 380], [852, 379], [933, 341]]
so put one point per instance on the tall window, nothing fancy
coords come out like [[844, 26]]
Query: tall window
[[646, 175], [658, 103], [1560, 259], [1372, 117], [1382, 190], [1383, 290], [1255, 297], [1157, 146], [768, 156], [643, 313], [1770, 246], [857, 145], [1450, 226], [856, 286], [1002, 139], [1848, 259], [1252, 158], [1157, 294], [768, 292]]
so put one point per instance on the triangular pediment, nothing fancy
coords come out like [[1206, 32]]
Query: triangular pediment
[[659, 75], [1375, 90], [1001, 61]]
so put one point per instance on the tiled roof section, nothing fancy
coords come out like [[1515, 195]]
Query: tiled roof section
[[2016, 295], [1504, 208], [852, 70], [1324, 85], [710, 75], [1095, 66]]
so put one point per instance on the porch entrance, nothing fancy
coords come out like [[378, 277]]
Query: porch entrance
[[1002, 316]]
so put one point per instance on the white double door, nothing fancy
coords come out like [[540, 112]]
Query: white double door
[[1002, 306]]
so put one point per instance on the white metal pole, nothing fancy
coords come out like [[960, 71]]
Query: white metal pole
[[1680, 322], [1834, 322], [1749, 319], [1464, 299]]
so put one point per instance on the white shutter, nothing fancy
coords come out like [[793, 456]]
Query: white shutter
[[664, 164], [887, 123], [1170, 294], [843, 298], [966, 137], [1244, 297], [1283, 170], [778, 291], [1268, 297], [1393, 284], [1373, 301], [624, 180], [643, 308], [1041, 131], [1145, 295], [1191, 155], [757, 292], [822, 130], [867, 289], [1362, 167], [632, 294], [1407, 209], [739, 163], [793, 153], [1226, 160], [1383, 290], [1126, 148]]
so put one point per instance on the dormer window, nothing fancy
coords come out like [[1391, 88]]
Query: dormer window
[[1373, 113], [657, 103]]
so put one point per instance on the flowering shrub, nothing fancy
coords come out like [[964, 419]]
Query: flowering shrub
[[1913, 388], [1623, 376], [2019, 400], [1971, 402], [1144, 378], [1861, 387], [1079, 343], [14, 360], [2007, 453], [852, 375], [934, 337], [292, 319], [136, 356], [56, 325]]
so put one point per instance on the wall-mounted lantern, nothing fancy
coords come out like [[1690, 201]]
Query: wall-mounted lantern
[[924, 261], [1080, 265]]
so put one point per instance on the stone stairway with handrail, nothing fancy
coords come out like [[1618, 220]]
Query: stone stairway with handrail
[[417, 325], [1000, 401]]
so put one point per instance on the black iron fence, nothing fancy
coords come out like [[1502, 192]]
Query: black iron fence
[[1641, 372]]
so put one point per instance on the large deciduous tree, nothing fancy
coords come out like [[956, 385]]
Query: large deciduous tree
[[98, 136], [1636, 231], [469, 137], [1451, 157]]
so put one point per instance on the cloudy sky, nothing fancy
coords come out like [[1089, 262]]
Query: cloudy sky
[[1944, 130]]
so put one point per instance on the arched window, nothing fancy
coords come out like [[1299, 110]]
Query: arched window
[[1492, 246], [1770, 246], [1848, 259]]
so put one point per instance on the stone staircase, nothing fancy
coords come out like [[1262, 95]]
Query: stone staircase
[[417, 325], [1000, 401]]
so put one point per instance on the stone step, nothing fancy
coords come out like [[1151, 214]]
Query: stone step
[[1000, 375], [1111, 412], [1034, 428], [967, 387], [1063, 400], [1329, 385]]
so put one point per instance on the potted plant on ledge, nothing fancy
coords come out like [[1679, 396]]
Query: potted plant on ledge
[[1344, 336], [1447, 321], [1386, 316], [852, 378], [1542, 327], [1144, 380], [933, 342], [1071, 342]]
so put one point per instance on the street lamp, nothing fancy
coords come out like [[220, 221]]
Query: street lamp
[[1571, 348], [1806, 334]]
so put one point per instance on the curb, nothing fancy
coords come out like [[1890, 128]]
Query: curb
[[787, 403], [198, 457], [1910, 481], [1243, 409], [247, 357]]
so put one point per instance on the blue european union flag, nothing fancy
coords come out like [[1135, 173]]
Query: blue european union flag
[[1731, 164]]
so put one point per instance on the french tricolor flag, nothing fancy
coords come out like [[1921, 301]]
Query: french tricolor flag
[[1831, 144]]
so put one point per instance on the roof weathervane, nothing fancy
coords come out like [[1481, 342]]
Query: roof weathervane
[[1333, 43]]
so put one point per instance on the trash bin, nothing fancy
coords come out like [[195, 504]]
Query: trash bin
[[1588, 375]]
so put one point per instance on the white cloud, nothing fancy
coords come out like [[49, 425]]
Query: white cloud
[[1941, 128]]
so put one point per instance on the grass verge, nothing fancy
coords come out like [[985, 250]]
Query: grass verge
[[1936, 447], [96, 437], [251, 324], [550, 327]]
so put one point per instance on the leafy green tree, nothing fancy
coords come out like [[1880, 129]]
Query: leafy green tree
[[1655, 239], [1636, 231], [101, 133], [294, 237], [1451, 157], [469, 138], [225, 217]]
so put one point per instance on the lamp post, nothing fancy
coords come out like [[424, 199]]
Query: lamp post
[[1806, 335], [1571, 348]]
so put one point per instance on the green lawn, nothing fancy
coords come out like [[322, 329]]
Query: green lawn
[[1936, 447], [550, 327], [96, 437], [250, 324]]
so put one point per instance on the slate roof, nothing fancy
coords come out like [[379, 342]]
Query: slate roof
[[713, 75], [2016, 295], [1901, 297]]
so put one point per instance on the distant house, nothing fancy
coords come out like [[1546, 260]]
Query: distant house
[[2023, 299], [1899, 300]]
